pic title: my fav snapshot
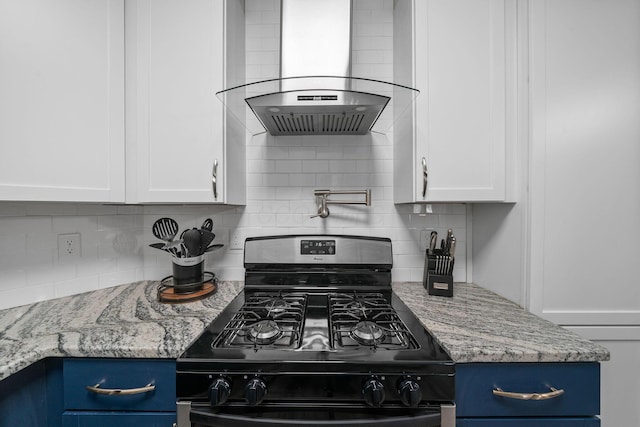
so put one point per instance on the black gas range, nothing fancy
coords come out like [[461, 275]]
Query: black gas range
[[317, 338]]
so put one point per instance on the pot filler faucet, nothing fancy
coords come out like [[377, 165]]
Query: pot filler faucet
[[322, 200]]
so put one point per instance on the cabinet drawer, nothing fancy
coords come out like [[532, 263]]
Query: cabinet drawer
[[475, 383], [529, 422], [119, 374], [120, 419]]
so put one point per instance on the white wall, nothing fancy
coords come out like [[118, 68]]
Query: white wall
[[282, 174]]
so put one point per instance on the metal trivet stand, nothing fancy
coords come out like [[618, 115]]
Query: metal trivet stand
[[170, 292]]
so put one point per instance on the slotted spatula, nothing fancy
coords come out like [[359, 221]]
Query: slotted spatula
[[165, 229]]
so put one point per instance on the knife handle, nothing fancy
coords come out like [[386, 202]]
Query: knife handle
[[433, 241], [452, 247]]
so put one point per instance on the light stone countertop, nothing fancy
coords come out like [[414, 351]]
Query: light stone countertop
[[477, 325], [127, 321], [124, 321]]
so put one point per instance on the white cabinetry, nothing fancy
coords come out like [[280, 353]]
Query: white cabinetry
[[577, 232], [463, 53], [585, 182], [178, 55], [62, 100]]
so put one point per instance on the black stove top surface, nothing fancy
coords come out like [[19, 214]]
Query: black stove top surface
[[330, 329]]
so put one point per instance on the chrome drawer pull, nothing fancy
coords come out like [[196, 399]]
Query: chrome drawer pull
[[529, 396], [126, 392]]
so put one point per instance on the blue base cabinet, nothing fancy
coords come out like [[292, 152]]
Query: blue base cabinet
[[529, 422], [572, 392], [31, 397], [120, 419], [128, 404]]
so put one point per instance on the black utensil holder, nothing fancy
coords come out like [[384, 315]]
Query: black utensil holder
[[188, 273], [436, 284]]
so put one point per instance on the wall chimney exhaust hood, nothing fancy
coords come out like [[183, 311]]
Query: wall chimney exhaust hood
[[316, 94]]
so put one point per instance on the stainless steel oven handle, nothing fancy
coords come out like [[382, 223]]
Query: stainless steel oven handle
[[206, 418]]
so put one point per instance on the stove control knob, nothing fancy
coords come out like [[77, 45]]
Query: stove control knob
[[410, 393], [255, 391], [219, 391], [373, 392]]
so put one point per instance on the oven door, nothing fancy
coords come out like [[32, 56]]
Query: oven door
[[201, 415]]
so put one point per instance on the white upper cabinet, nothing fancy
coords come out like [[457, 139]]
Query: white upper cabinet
[[179, 149], [459, 53], [62, 100]]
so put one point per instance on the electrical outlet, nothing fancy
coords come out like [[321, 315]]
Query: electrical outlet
[[236, 240], [69, 246]]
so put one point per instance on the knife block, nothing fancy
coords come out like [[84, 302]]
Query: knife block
[[436, 284]]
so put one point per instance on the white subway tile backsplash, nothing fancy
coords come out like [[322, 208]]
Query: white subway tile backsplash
[[329, 152], [315, 166], [276, 180], [289, 166], [21, 294], [9, 209]]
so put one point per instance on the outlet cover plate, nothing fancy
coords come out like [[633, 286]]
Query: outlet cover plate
[[69, 246]]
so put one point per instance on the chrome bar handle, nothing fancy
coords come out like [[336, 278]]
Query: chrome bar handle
[[425, 177], [120, 392], [528, 396], [214, 179]]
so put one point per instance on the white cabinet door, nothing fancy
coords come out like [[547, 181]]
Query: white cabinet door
[[62, 100], [460, 119], [585, 174], [176, 138]]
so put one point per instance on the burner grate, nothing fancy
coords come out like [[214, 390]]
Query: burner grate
[[367, 319], [266, 320]]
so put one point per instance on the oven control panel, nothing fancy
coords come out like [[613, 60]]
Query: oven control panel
[[317, 247], [374, 390]]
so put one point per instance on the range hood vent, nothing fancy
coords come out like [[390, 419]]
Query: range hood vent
[[317, 112], [315, 94]]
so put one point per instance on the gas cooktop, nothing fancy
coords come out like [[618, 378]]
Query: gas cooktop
[[317, 324]]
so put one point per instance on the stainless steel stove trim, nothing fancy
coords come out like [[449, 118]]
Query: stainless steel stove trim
[[448, 415], [183, 409], [349, 250]]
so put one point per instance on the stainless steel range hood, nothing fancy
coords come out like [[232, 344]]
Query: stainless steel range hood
[[316, 94]]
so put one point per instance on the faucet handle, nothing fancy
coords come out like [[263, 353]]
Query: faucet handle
[[323, 210]]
